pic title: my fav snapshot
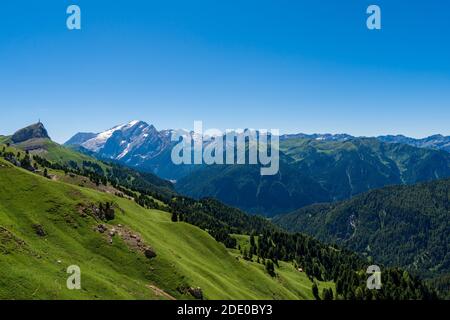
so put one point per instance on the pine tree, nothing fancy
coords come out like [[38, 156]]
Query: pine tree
[[252, 244], [270, 268], [174, 217], [315, 291], [327, 294]]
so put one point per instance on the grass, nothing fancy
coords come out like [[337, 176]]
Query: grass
[[3, 139], [286, 274], [54, 152], [34, 267]]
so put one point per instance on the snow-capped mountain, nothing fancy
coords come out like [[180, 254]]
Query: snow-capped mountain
[[136, 144], [130, 143]]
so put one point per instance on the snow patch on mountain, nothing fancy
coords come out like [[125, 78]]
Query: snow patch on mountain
[[98, 142]]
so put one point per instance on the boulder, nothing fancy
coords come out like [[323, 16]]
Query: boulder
[[101, 228], [149, 253], [39, 230], [197, 293]]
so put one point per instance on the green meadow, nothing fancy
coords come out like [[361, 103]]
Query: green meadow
[[33, 266]]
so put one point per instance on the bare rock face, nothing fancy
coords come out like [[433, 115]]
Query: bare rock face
[[133, 240], [35, 131]]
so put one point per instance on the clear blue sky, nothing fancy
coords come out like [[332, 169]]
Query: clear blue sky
[[300, 66]]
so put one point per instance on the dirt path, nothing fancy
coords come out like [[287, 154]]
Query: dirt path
[[160, 292]]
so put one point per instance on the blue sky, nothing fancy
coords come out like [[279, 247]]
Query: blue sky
[[300, 66]]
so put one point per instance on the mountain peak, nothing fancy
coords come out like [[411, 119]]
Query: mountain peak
[[133, 122], [80, 138], [33, 131], [137, 123]]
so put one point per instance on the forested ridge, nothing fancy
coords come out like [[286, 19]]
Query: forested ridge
[[405, 226]]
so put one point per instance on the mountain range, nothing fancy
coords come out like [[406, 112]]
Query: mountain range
[[134, 237], [437, 141], [313, 168], [137, 142]]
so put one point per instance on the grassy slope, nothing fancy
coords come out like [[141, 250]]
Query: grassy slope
[[55, 152], [286, 274], [35, 268], [3, 139]]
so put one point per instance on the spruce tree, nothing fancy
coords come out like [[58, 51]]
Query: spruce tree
[[270, 268], [315, 291]]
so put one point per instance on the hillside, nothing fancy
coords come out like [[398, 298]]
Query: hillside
[[186, 255], [3, 139], [35, 139], [314, 171], [406, 226]]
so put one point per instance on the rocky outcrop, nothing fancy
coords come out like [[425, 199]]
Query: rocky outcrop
[[132, 239], [35, 131]]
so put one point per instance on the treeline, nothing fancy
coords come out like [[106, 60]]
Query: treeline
[[19, 159], [218, 219]]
